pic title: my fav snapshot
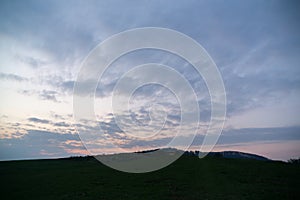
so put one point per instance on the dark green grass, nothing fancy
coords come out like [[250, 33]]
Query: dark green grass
[[187, 178]]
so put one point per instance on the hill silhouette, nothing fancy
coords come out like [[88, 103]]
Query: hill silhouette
[[217, 176]]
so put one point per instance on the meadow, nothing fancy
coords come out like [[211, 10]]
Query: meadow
[[187, 178]]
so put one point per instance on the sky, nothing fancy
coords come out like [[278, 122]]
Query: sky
[[255, 45]]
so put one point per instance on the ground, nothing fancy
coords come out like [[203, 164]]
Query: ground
[[187, 178]]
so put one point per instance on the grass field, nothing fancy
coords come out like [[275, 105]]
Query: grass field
[[187, 178]]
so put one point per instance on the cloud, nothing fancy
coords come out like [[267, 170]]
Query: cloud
[[67, 85], [61, 124], [49, 95], [257, 59], [12, 77], [228, 137], [31, 61], [37, 120], [248, 135], [40, 144]]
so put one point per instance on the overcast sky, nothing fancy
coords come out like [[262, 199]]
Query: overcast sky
[[255, 45]]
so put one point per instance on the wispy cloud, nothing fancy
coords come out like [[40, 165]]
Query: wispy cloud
[[12, 77]]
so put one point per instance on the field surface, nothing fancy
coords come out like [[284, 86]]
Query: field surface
[[187, 178]]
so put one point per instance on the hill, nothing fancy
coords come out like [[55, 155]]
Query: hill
[[213, 177], [239, 155]]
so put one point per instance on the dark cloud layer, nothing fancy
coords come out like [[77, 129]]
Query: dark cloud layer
[[38, 144], [34, 119]]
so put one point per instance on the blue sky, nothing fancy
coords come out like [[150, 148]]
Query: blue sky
[[255, 45]]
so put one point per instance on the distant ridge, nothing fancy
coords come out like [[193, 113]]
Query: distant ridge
[[171, 151], [231, 154], [239, 155], [224, 154]]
